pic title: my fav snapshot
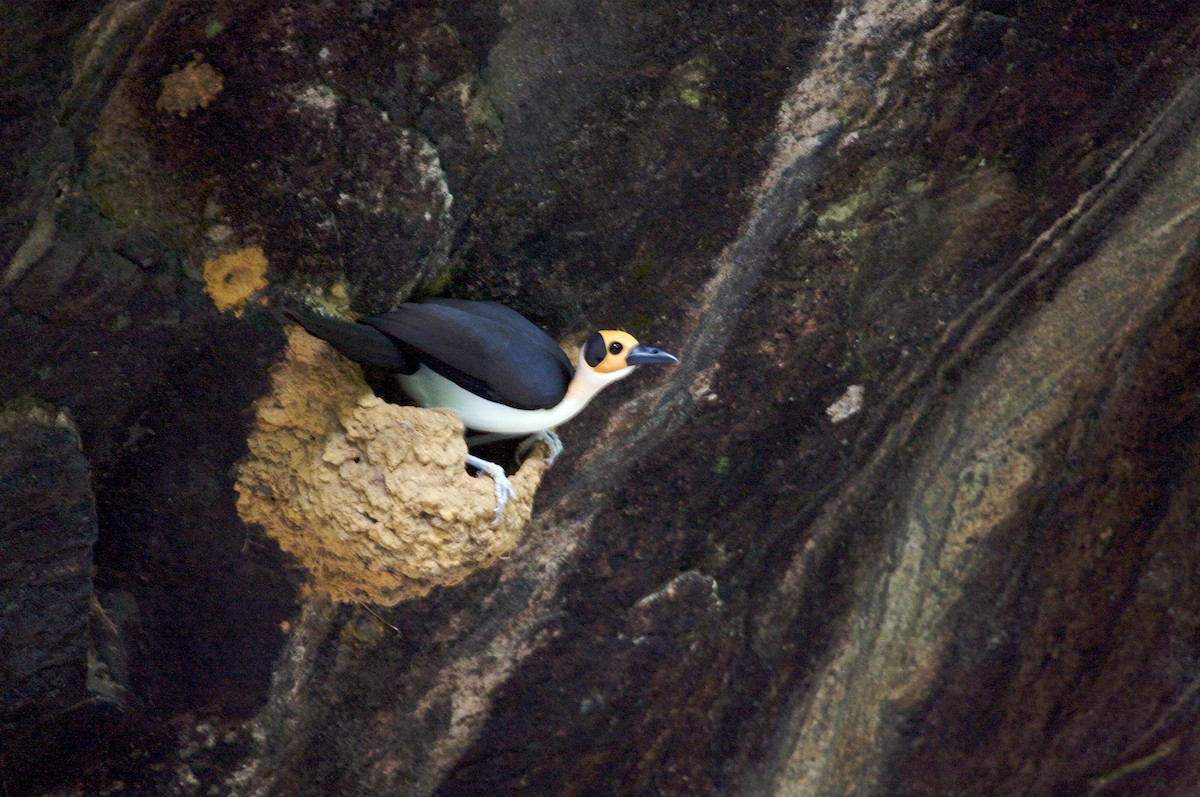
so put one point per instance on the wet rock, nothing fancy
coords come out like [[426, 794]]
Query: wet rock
[[48, 515], [50, 528]]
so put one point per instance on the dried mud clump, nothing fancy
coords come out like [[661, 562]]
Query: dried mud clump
[[194, 86], [372, 498], [233, 278]]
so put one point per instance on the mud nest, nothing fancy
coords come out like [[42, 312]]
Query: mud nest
[[372, 498]]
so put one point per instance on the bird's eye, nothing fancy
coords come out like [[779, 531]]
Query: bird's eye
[[615, 347]]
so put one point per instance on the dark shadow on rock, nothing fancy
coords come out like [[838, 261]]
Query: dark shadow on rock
[[211, 593], [53, 694]]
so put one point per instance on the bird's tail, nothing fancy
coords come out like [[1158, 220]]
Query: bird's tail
[[361, 343]]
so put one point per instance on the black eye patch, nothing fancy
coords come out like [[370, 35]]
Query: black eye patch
[[593, 350], [615, 347]]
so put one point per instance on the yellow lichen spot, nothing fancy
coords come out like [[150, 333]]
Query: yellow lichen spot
[[231, 279], [194, 86], [334, 298]]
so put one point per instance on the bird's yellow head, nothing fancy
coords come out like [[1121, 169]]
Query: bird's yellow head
[[609, 355], [606, 351], [615, 352]]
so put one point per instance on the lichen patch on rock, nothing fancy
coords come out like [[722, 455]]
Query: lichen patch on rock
[[372, 498], [191, 87], [231, 279]]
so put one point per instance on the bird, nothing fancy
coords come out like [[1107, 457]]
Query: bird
[[500, 372]]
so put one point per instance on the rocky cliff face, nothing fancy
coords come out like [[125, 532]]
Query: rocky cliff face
[[916, 513]]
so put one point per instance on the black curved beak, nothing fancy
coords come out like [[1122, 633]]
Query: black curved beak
[[648, 355]]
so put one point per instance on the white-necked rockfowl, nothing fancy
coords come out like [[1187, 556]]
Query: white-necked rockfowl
[[502, 374]]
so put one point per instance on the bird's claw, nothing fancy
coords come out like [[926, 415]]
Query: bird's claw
[[552, 441], [504, 488]]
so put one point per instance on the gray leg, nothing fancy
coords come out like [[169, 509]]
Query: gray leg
[[504, 490], [546, 436]]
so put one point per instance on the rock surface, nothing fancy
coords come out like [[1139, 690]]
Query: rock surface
[[915, 514], [54, 684]]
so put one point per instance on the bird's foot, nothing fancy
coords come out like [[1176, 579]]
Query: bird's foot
[[546, 436], [504, 490]]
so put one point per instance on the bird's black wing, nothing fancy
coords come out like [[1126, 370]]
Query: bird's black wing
[[361, 343], [521, 327], [484, 347]]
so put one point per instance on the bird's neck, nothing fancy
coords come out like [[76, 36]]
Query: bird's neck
[[587, 383]]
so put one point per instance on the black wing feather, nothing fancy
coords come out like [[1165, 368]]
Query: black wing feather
[[529, 333], [485, 347], [361, 343]]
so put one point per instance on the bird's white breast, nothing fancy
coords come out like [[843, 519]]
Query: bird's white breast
[[430, 389]]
